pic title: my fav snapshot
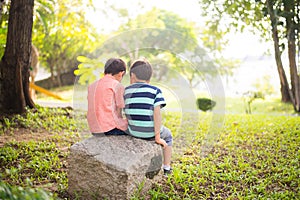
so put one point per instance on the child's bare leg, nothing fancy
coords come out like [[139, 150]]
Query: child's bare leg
[[167, 155]]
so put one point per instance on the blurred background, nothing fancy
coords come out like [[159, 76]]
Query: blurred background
[[188, 42]]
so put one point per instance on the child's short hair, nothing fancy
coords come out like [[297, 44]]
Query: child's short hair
[[114, 66], [142, 70]]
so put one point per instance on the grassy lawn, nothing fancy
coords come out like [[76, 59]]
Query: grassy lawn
[[253, 157], [248, 157]]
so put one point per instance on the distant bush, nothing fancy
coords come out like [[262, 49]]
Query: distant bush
[[205, 104], [16, 193]]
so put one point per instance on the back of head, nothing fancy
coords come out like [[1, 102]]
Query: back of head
[[142, 70], [114, 66]]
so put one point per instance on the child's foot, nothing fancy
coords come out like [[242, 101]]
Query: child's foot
[[168, 172]]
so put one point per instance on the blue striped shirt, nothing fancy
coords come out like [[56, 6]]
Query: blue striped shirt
[[140, 100]]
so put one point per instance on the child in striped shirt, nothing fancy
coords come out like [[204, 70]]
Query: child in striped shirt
[[143, 102]]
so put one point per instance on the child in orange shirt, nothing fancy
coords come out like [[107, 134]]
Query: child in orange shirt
[[105, 101]]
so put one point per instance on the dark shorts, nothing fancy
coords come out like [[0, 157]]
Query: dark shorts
[[114, 131], [166, 135]]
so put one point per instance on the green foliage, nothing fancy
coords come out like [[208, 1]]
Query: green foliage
[[3, 26], [38, 160], [273, 20], [205, 104], [89, 69], [3, 33], [135, 39], [173, 34], [61, 39], [171, 46], [229, 13], [8, 192], [33, 161], [43, 10], [49, 119]]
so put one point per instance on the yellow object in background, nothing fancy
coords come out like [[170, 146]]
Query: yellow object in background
[[42, 90]]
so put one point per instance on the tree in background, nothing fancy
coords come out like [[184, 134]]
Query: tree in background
[[137, 38], [14, 66], [62, 35], [276, 19], [188, 46], [42, 10], [60, 32]]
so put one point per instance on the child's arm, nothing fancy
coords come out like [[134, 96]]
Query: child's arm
[[119, 112], [119, 98], [157, 126]]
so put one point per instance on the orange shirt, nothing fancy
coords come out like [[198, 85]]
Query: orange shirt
[[104, 97]]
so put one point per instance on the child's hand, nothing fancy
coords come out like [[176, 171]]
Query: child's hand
[[162, 142]]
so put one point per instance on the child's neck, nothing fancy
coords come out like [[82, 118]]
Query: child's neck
[[118, 77], [141, 81]]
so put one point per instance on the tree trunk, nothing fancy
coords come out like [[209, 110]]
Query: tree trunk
[[291, 28], [14, 66], [285, 91]]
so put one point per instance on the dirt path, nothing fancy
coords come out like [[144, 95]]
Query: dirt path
[[22, 134]]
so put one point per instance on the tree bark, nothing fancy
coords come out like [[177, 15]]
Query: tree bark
[[285, 91], [14, 66], [291, 28]]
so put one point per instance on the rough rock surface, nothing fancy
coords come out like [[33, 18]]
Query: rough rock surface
[[113, 167]]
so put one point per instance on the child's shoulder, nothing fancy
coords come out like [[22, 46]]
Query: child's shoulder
[[142, 85]]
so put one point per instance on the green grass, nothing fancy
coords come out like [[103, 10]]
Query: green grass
[[249, 157], [34, 148], [259, 106], [17, 192], [253, 157]]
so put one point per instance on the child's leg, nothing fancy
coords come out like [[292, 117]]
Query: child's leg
[[167, 156], [167, 136]]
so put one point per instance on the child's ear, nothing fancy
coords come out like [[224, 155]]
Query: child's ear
[[132, 78]]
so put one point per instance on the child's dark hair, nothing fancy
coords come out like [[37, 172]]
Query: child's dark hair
[[142, 70], [114, 66]]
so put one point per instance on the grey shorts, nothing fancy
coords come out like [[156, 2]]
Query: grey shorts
[[166, 135]]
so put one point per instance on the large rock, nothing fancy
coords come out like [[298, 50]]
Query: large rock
[[113, 167]]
